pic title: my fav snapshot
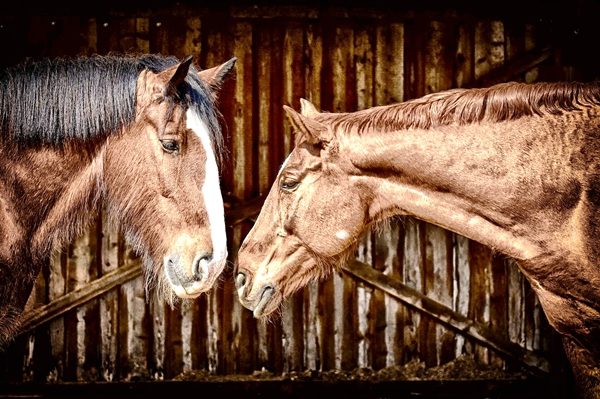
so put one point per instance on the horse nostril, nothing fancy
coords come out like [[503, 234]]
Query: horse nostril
[[240, 280], [199, 267], [267, 291]]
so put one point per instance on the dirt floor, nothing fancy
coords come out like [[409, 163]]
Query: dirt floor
[[462, 368]]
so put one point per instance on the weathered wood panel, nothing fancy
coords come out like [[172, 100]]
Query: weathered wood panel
[[340, 60]]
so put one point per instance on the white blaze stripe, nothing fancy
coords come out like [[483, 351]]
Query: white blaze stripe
[[284, 163], [211, 190]]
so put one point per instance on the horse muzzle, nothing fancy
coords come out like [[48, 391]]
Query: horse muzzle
[[260, 299], [190, 279]]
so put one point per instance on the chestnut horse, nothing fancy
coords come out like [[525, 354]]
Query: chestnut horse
[[514, 166], [139, 135]]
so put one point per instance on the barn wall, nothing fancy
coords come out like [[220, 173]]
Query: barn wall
[[342, 60]]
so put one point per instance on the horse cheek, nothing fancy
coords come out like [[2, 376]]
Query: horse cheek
[[335, 223]]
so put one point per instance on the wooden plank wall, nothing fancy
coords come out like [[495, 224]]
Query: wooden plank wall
[[341, 61]]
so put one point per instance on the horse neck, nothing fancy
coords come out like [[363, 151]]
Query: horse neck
[[61, 188], [489, 181]]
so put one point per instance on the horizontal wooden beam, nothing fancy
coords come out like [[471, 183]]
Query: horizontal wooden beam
[[93, 289], [443, 314]]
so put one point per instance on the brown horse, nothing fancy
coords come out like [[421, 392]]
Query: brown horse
[[137, 134], [514, 166]]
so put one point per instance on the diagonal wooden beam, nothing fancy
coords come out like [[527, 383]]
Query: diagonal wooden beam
[[58, 307], [513, 68], [42, 314], [235, 214], [443, 314]]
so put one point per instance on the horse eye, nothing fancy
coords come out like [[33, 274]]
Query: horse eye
[[170, 145], [289, 185]]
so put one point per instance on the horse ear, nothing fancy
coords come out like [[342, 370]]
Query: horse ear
[[307, 108], [310, 130], [214, 77], [175, 75]]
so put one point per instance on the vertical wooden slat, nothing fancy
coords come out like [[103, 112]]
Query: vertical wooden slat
[[293, 89], [173, 344], [241, 354], [133, 34], [464, 75], [158, 32], [81, 260], [365, 87], [157, 311], [93, 353], [189, 319], [34, 367], [530, 43], [197, 318], [364, 294], [214, 52], [344, 99], [479, 307], [489, 47], [293, 83], [377, 309], [439, 54], [390, 64], [441, 290], [313, 53], [428, 328], [413, 277], [464, 55], [267, 55], [489, 54], [393, 242], [462, 285], [132, 335], [514, 34], [497, 270], [109, 302], [266, 52], [193, 43], [199, 337], [57, 288], [499, 301], [414, 265], [43, 39], [414, 69], [386, 88], [326, 290]]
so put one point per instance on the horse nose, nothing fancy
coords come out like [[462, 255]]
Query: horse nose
[[200, 266]]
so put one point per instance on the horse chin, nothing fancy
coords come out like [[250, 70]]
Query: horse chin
[[191, 289], [186, 293]]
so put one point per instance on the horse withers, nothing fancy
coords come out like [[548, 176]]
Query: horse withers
[[514, 166], [139, 135]]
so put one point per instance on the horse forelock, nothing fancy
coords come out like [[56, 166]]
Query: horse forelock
[[505, 101], [82, 99]]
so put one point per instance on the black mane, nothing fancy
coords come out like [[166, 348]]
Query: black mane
[[51, 101]]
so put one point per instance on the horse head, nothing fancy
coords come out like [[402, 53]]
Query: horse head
[[162, 179]]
